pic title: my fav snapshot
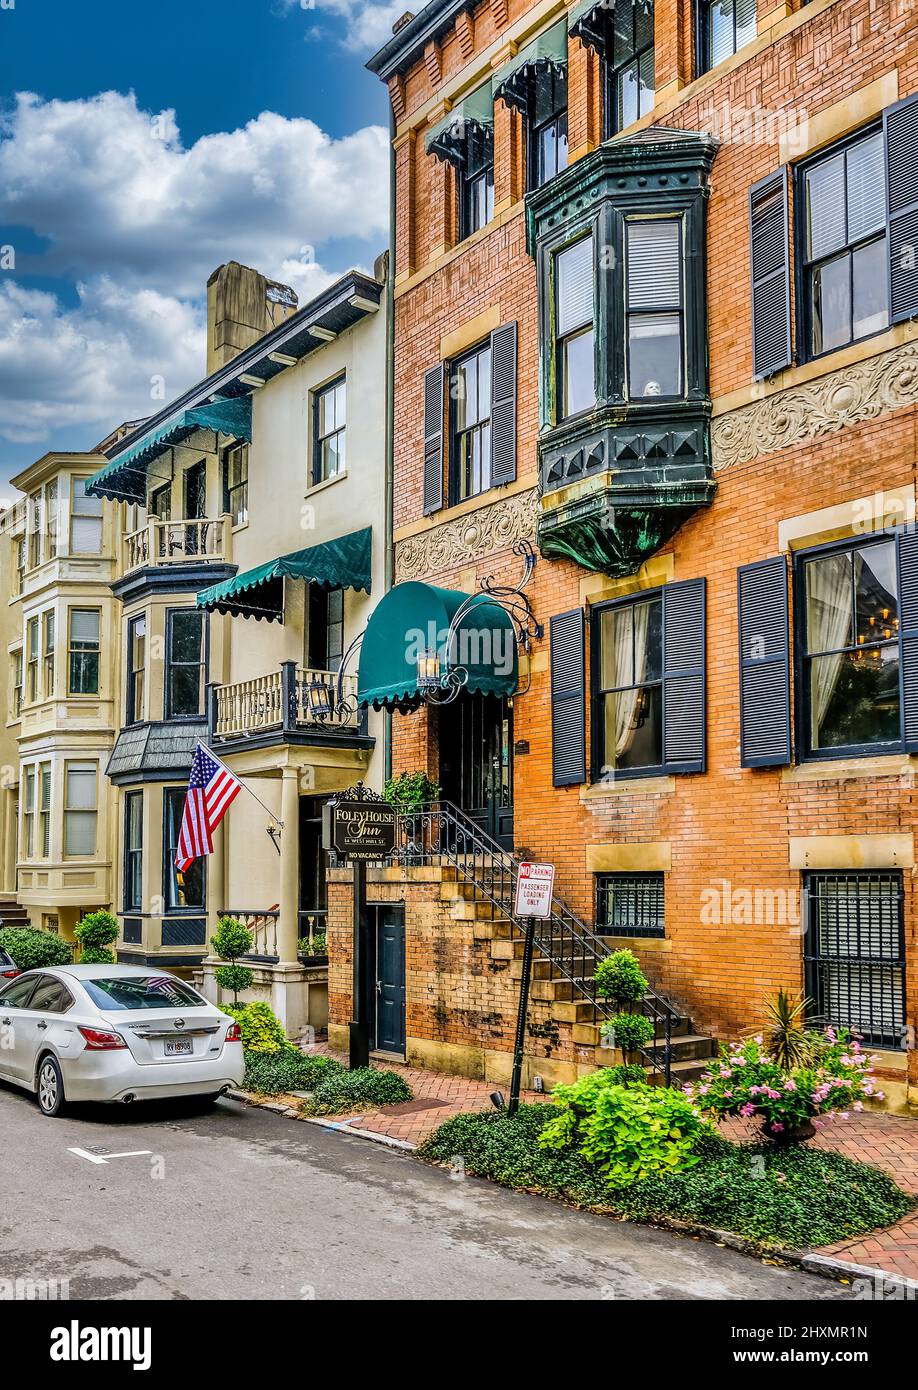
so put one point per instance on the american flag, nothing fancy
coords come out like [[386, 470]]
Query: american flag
[[211, 788]]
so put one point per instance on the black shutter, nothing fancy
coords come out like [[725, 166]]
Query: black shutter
[[503, 405], [907, 555], [684, 676], [433, 439], [900, 123], [765, 736], [568, 699], [770, 260]]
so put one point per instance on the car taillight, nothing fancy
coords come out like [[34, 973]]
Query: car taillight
[[101, 1042], [233, 1033], [9, 974]]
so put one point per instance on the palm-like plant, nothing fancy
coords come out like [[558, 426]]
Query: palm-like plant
[[789, 1041]]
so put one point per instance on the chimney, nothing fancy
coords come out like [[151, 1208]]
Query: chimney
[[242, 306]]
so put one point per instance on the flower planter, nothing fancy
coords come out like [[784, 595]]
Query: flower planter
[[312, 960], [791, 1134]]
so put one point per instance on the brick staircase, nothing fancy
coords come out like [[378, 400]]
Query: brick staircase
[[481, 891]]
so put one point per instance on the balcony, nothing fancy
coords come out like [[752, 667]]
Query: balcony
[[279, 707], [196, 541]]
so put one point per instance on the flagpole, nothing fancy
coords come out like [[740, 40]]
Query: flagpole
[[210, 753]]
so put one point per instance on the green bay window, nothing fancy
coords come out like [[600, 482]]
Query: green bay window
[[655, 306], [574, 327]]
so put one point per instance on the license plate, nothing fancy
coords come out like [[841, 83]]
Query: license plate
[[182, 1047]]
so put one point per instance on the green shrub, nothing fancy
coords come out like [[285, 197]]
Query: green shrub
[[410, 789], [797, 1198], [630, 1032], [262, 1030], [317, 947], [231, 939], [619, 977], [32, 949], [235, 978], [95, 932], [348, 1090], [290, 1070], [628, 1132]]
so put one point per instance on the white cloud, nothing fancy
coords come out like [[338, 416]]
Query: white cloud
[[367, 25]]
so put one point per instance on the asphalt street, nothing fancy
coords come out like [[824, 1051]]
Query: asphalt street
[[243, 1204]]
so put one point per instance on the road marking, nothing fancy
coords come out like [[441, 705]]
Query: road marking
[[94, 1158]]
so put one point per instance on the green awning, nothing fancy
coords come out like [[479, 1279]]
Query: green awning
[[587, 22], [343, 563], [124, 478], [547, 51], [473, 115], [413, 618]]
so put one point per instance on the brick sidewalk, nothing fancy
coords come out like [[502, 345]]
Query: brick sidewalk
[[886, 1141]]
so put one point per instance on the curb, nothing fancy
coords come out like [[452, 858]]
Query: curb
[[843, 1269]]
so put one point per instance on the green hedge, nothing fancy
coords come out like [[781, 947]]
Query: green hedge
[[794, 1198], [348, 1090], [33, 949], [270, 1073]]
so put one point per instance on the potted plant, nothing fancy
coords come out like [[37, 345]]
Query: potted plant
[[408, 793], [314, 950]]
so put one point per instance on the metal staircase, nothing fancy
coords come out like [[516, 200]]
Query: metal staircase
[[439, 833]]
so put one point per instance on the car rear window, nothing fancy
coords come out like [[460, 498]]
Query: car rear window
[[142, 992]]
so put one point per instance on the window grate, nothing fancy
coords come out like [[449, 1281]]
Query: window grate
[[854, 954], [629, 905]]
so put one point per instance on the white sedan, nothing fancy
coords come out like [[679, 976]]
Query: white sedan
[[114, 1033]]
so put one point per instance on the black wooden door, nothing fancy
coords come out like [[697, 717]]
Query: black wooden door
[[476, 762], [388, 1031]]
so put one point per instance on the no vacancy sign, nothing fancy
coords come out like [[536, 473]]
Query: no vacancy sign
[[534, 890]]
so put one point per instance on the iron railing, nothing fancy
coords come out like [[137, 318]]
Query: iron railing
[[439, 833]]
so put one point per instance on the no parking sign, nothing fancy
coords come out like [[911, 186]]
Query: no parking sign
[[534, 888]]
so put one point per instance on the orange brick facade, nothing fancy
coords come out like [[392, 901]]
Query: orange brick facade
[[728, 823]]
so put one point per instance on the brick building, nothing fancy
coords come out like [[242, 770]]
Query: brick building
[[654, 299]]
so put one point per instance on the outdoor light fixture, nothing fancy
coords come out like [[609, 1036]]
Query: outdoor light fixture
[[497, 1100], [319, 696], [428, 670]]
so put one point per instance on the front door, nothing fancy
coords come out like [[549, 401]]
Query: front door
[[387, 921], [476, 762]]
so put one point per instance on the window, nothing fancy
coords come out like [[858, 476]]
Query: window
[[35, 528], [133, 851], [547, 124], [725, 26], [629, 904], [32, 637], [80, 808], [16, 663], [85, 521], [136, 673], [475, 180], [19, 561], [842, 214], [326, 628], [628, 66], [47, 622], [142, 992], [180, 890], [160, 506], [654, 255], [470, 408], [44, 810], [629, 686], [848, 600], [854, 953], [83, 664], [184, 663], [573, 295], [28, 815], [51, 496], [236, 482], [16, 995], [329, 456], [51, 996]]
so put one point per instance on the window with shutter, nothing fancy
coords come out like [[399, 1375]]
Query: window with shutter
[[765, 738], [901, 128], [433, 439], [684, 676], [503, 405], [770, 261], [568, 698]]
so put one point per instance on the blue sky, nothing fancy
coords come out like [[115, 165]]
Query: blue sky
[[141, 146]]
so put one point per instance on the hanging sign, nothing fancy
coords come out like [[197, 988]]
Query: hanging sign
[[534, 888], [359, 829]]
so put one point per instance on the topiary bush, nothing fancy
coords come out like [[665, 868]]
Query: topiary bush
[[270, 1073], [230, 941], [348, 1090], [234, 978], [95, 932], [630, 1032], [33, 950], [620, 978], [262, 1030]]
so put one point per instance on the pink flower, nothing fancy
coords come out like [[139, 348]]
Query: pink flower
[[747, 1110], [818, 1124], [858, 1105], [790, 1084], [777, 1128], [728, 1095]]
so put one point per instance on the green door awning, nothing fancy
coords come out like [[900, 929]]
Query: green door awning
[[344, 563], [414, 618], [448, 139], [547, 51], [124, 478]]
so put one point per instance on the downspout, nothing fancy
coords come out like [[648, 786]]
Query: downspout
[[390, 415]]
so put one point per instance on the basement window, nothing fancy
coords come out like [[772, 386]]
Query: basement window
[[629, 905]]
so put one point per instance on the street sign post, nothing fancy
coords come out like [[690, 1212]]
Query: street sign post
[[532, 901]]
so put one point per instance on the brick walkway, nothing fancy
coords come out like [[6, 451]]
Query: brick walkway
[[887, 1141]]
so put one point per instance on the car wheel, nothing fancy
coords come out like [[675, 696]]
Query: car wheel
[[50, 1091]]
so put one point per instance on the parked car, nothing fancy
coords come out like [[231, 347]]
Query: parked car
[[8, 967], [114, 1033]]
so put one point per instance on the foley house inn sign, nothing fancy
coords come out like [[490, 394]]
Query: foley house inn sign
[[358, 825]]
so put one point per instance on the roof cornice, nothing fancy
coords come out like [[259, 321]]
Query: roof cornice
[[407, 45]]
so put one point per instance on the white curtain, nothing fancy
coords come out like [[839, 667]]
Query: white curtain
[[828, 619], [620, 728]]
